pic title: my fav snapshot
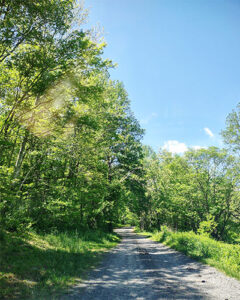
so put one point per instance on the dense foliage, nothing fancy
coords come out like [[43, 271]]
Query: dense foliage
[[197, 191], [70, 146]]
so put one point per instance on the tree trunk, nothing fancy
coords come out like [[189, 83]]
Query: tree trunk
[[21, 155]]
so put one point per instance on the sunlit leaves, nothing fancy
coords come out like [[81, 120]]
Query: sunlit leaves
[[231, 134], [187, 190]]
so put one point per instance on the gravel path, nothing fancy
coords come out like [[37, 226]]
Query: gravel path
[[139, 268]]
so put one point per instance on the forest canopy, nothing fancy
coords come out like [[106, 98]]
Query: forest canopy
[[71, 151], [70, 145]]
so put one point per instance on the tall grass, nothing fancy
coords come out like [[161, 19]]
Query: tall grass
[[35, 265], [223, 256]]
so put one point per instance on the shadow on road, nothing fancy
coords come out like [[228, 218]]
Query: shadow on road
[[137, 269]]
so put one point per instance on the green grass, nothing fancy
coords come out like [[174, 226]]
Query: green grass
[[35, 266], [225, 257]]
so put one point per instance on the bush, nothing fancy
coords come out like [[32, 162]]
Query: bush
[[207, 227]]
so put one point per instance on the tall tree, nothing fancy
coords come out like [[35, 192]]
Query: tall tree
[[231, 134]]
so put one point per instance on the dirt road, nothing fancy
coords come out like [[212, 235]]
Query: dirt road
[[139, 268]]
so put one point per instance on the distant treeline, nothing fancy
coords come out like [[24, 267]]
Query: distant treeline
[[197, 191]]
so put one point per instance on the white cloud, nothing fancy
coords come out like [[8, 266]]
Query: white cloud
[[175, 147], [208, 132]]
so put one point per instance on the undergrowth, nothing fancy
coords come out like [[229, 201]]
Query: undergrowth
[[223, 256], [38, 265]]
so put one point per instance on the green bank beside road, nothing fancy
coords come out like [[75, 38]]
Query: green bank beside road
[[225, 257], [33, 265]]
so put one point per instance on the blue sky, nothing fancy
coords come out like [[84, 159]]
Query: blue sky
[[180, 64]]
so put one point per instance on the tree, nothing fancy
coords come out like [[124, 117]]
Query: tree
[[186, 191], [217, 180], [32, 23], [231, 134]]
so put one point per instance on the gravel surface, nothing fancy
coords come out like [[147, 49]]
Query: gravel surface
[[139, 268]]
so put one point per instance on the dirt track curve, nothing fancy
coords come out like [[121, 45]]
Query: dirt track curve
[[139, 268]]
